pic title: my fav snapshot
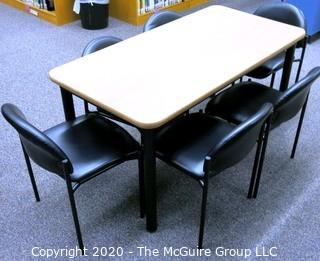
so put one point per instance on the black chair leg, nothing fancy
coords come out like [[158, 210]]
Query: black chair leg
[[141, 187], [264, 146], [33, 181], [74, 213], [298, 129], [301, 59], [273, 76], [256, 163], [203, 211], [86, 107]]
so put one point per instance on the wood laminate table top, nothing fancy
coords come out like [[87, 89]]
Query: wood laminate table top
[[153, 77]]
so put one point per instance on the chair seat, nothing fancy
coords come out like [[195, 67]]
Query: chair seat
[[241, 101], [269, 67], [92, 143], [187, 141]]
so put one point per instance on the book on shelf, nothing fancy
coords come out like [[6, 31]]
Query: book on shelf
[[41, 4], [147, 6]]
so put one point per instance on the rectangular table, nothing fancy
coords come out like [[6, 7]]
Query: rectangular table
[[150, 79]]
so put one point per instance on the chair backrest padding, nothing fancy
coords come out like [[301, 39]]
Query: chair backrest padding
[[292, 100], [100, 43], [237, 144], [96, 45], [39, 147], [160, 18], [285, 13]]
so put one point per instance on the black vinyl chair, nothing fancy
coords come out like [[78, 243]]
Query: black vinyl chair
[[76, 150], [202, 146], [99, 43], [160, 18], [285, 13], [242, 100], [96, 45]]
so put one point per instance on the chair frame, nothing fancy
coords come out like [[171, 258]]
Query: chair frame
[[299, 60], [72, 189], [290, 93], [254, 181], [303, 46], [254, 185], [262, 121], [296, 138], [64, 168]]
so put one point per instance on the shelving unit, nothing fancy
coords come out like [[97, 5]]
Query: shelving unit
[[128, 10], [63, 11]]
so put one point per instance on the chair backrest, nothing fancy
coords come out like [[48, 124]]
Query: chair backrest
[[160, 18], [294, 98], [237, 144], [100, 43], [39, 147], [96, 45], [285, 13]]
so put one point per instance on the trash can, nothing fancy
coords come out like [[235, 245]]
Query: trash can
[[50, 5], [94, 14]]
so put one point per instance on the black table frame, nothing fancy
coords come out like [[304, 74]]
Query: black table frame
[[148, 150]]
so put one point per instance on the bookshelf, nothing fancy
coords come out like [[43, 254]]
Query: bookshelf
[[129, 10], [61, 15]]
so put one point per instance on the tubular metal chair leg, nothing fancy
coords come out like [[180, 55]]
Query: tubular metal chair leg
[[203, 211], [74, 214], [141, 187], [86, 107], [264, 146], [301, 59], [33, 181], [273, 76], [298, 129], [256, 163]]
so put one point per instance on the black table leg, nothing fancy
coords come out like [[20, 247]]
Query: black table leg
[[68, 106], [287, 68], [149, 162]]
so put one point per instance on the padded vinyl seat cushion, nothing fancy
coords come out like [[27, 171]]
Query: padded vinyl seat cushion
[[108, 146], [269, 67], [186, 142], [241, 101]]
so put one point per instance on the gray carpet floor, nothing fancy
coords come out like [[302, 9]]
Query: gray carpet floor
[[284, 216]]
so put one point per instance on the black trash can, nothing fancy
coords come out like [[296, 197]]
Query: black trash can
[[94, 16], [50, 5]]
